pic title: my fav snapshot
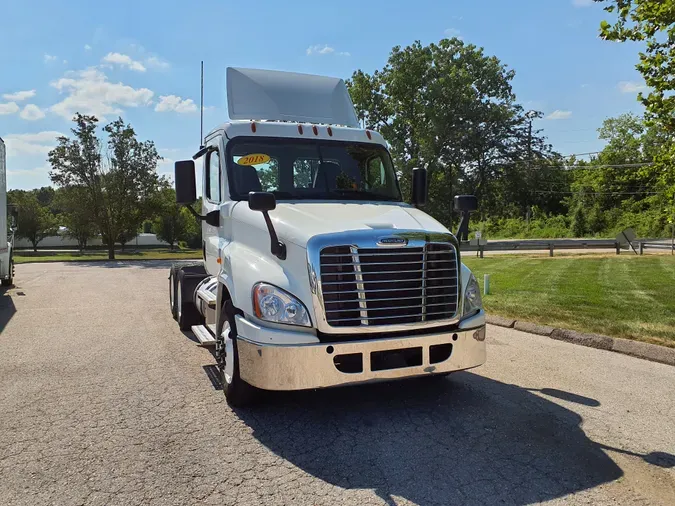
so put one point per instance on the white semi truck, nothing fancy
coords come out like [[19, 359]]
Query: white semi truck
[[6, 231], [316, 273]]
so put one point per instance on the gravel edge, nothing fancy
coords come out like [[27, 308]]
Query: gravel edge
[[646, 351]]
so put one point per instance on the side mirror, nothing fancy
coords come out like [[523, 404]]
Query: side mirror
[[262, 201], [265, 202], [465, 204], [186, 185], [419, 187]]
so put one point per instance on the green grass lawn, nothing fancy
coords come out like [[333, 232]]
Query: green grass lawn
[[21, 257], [621, 296]]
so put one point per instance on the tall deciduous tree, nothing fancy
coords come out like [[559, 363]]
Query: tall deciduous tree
[[74, 215], [651, 22], [450, 108], [35, 221], [172, 221], [120, 180]]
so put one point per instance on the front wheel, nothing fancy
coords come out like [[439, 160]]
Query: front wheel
[[236, 390]]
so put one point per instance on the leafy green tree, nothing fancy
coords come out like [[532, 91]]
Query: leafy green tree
[[450, 108], [194, 227], [651, 22], [579, 221], [35, 221], [120, 181], [172, 222], [74, 215]]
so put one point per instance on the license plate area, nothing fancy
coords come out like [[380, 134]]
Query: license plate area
[[395, 359]]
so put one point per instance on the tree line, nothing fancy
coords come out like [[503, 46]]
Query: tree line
[[451, 108], [448, 107], [108, 189]]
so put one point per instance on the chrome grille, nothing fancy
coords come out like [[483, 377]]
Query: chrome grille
[[385, 286]]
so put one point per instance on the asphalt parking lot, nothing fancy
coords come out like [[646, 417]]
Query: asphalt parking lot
[[103, 400]]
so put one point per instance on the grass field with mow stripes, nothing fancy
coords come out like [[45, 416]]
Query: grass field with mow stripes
[[621, 296]]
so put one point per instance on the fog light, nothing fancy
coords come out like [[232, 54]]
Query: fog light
[[479, 335]]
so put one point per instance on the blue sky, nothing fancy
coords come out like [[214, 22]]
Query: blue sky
[[141, 60]]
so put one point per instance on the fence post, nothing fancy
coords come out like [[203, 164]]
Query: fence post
[[550, 249], [618, 248], [642, 248], [481, 249], [486, 284]]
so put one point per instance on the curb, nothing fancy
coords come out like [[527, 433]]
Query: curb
[[646, 351]]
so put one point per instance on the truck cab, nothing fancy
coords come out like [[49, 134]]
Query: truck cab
[[316, 273]]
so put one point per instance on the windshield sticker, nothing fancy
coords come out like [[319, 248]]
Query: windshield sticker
[[253, 159]]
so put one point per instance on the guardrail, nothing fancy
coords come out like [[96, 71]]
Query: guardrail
[[637, 246]]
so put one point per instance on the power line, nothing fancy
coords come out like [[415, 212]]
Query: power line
[[596, 193]]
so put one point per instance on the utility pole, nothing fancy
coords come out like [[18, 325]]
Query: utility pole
[[530, 115]]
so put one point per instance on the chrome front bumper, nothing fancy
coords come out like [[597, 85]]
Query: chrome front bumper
[[305, 366]]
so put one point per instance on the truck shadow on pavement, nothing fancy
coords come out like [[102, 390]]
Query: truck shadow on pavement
[[123, 264], [462, 440], [7, 308]]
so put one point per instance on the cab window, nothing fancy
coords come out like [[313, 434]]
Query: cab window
[[213, 176]]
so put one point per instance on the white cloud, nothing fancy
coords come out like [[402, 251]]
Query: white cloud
[[319, 49], [19, 95], [157, 63], [124, 60], [49, 58], [175, 103], [8, 108], [87, 47], [31, 144], [344, 53], [585, 85], [26, 179], [32, 113], [630, 87], [452, 32], [90, 92], [582, 3], [558, 114]]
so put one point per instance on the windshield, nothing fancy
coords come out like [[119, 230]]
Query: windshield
[[301, 169]]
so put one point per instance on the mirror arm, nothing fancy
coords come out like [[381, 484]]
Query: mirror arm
[[463, 230], [203, 151], [278, 248], [195, 213], [212, 218]]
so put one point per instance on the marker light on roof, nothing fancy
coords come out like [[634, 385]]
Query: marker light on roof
[[253, 127], [368, 134], [330, 131], [315, 130], [300, 129]]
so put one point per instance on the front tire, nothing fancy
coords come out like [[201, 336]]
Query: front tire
[[237, 392]]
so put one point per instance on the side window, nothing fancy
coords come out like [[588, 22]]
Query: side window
[[213, 177]]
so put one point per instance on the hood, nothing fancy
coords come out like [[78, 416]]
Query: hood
[[297, 222]]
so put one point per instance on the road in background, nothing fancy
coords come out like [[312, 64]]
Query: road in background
[[104, 401]]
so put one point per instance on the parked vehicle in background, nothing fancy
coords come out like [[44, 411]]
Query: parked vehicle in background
[[316, 273], [6, 226]]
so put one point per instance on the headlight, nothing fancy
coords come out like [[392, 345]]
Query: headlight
[[272, 304], [472, 298]]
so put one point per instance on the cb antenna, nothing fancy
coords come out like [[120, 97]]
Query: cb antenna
[[201, 111]]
